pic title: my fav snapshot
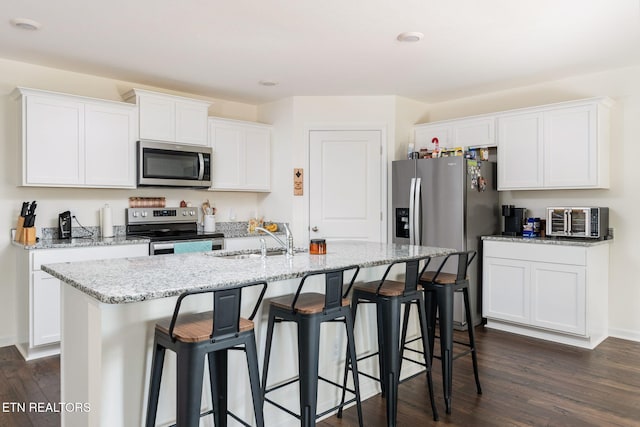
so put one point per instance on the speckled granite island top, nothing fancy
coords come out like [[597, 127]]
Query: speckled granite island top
[[559, 241], [125, 280]]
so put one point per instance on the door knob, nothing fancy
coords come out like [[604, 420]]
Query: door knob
[[314, 229]]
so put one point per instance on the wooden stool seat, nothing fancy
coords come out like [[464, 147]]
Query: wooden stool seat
[[442, 279], [196, 327], [308, 303], [390, 288]]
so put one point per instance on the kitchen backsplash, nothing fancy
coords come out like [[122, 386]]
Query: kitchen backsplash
[[230, 230], [51, 233]]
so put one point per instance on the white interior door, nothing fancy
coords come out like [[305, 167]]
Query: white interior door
[[345, 185]]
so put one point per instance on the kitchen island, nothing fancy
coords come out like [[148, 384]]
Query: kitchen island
[[109, 309]]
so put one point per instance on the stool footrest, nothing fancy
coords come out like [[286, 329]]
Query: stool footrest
[[211, 411], [293, 414], [279, 386]]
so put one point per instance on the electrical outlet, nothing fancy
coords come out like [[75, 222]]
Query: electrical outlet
[[610, 233]]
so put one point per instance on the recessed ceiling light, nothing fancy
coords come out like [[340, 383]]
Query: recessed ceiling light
[[410, 36], [267, 83], [25, 24]]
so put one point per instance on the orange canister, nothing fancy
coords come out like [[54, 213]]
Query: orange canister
[[318, 247]]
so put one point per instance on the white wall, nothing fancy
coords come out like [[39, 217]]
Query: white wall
[[623, 85], [84, 203], [293, 118]]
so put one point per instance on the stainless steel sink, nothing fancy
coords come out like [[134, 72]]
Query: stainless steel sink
[[252, 255], [256, 254]]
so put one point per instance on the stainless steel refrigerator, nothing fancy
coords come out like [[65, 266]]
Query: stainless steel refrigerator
[[447, 202]]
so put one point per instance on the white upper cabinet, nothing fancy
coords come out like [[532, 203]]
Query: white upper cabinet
[[561, 146], [241, 155], [520, 154], [572, 149], [475, 132], [425, 135], [110, 145], [52, 140], [170, 118], [73, 141], [478, 131]]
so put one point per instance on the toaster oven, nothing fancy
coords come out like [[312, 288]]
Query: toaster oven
[[584, 222]]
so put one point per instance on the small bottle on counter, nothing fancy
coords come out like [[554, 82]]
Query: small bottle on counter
[[318, 247]]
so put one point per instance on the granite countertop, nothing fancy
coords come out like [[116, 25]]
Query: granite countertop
[[83, 242], [49, 236], [125, 280], [559, 241]]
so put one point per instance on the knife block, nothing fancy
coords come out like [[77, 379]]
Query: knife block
[[25, 236], [19, 228]]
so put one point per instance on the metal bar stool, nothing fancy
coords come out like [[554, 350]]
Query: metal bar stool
[[308, 311], [388, 296], [439, 288], [196, 336]]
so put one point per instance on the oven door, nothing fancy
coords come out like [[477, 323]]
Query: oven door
[[184, 246], [579, 220], [172, 165], [557, 222]]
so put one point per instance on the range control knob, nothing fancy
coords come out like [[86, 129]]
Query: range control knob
[[144, 214], [135, 214], [184, 213], [192, 213]]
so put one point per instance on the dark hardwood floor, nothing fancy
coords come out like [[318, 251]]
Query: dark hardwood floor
[[525, 382]]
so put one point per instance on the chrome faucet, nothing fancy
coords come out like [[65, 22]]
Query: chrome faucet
[[288, 245]]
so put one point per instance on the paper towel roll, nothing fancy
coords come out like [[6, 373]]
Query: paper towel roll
[[106, 221]]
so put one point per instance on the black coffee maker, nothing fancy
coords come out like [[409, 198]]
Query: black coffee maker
[[514, 219]]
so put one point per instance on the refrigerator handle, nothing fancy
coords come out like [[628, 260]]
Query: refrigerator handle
[[412, 207], [567, 225], [416, 213]]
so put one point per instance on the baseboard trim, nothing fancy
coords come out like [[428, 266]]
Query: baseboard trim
[[8, 341], [625, 334]]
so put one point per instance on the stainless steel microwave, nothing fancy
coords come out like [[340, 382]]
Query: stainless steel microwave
[[164, 164], [585, 222]]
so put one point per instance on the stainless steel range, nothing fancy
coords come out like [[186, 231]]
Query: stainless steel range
[[167, 226]]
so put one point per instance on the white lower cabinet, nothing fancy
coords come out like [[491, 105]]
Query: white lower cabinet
[[548, 291], [45, 313], [558, 294], [39, 293]]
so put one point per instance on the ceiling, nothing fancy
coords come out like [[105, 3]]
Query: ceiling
[[222, 49]]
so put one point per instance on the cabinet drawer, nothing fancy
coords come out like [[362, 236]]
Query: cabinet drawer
[[51, 256], [536, 252]]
